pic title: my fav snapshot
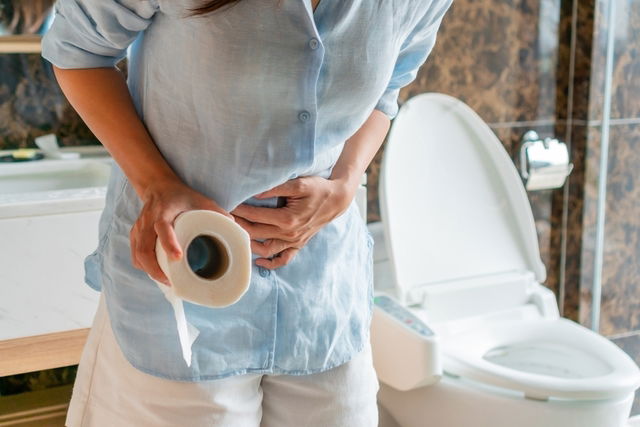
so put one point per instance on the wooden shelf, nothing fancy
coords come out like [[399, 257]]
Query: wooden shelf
[[20, 44], [41, 352]]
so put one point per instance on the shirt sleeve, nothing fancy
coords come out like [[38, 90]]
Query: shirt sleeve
[[95, 33], [413, 53]]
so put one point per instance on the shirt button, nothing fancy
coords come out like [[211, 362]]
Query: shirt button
[[313, 43], [264, 272], [304, 116]]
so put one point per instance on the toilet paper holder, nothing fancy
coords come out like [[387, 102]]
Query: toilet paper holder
[[544, 163]]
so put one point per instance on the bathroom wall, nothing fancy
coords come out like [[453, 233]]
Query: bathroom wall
[[31, 104], [620, 279], [620, 305]]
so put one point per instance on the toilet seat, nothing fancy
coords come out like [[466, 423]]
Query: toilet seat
[[441, 154], [542, 358], [455, 211]]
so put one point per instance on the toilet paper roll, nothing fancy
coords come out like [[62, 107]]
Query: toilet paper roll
[[214, 271]]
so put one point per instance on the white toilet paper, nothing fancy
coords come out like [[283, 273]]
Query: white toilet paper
[[214, 271]]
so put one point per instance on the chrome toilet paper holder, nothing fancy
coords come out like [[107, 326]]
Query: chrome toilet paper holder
[[544, 163]]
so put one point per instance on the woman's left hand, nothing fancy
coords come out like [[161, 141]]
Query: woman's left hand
[[312, 202]]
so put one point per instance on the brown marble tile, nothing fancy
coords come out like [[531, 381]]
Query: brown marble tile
[[588, 226], [620, 307], [631, 345], [626, 66], [574, 71], [575, 226], [585, 105], [563, 62], [626, 73], [31, 104], [499, 57], [598, 61], [620, 303]]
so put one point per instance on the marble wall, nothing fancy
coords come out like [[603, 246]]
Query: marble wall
[[620, 308], [620, 279], [32, 104]]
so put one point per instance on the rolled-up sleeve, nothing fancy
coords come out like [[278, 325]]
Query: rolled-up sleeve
[[95, 33], [414, 51]]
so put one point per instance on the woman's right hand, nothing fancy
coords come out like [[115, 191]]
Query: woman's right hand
[[163, 202]]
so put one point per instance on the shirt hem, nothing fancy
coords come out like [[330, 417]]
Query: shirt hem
[[249, 371]]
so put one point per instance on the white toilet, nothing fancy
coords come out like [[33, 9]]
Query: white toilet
[[476, 340]]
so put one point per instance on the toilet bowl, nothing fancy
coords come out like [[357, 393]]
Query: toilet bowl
[[457, 249]]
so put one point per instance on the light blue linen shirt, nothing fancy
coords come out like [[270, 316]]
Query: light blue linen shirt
[[239, 101]]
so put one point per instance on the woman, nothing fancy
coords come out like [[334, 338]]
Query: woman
[[232, 106]]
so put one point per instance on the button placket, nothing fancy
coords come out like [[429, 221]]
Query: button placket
[[307, 108]]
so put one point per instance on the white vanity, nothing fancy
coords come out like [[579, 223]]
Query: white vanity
[[49, 212]]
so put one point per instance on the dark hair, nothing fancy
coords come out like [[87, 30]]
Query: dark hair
[[210, 6]]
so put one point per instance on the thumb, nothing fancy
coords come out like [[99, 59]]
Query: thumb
[[168, 239]]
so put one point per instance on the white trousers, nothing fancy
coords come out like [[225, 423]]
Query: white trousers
[[109, 391]]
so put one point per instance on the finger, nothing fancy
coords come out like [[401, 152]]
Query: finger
[[168, 239], [156, 273], [259, 231], [293, 187], [146, 254], [274, 216], [132, 245], [284, 258], [269, 247]]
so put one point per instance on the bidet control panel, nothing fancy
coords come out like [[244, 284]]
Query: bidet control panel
[[406, 353], [402, 315]]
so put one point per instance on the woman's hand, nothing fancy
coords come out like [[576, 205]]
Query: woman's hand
[[312, 202], [163, 202]]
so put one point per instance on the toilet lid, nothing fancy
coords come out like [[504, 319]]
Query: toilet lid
[[542, 358], [452, 202]]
